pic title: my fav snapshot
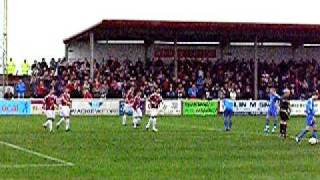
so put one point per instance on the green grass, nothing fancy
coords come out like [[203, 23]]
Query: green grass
[[184, 148]]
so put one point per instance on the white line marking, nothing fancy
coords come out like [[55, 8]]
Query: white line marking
[[32, 165], [36, 153]]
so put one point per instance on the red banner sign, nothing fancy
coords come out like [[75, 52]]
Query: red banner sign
[[184, 53]]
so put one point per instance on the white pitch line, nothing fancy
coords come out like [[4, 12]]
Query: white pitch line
[[36, 153], [32, 165]]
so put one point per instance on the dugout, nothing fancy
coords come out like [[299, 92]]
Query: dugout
[[172, 40]]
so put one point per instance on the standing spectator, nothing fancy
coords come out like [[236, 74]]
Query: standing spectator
[[25, 68], [21, 89], [11, 67]]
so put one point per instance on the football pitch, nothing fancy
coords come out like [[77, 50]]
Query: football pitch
[[184, 148]]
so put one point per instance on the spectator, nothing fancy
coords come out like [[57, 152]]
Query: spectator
[[25, 68], [8, 95], [21, 89], [87, 94], [193, 91], [41, 90], [77, 93]]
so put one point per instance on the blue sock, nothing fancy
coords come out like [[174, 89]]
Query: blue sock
[[315, 134], [230, 121], [275, 121], [302, 134], [225, 122], [267, 121]]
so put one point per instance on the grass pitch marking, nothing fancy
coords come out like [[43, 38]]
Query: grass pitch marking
[[60, 161]]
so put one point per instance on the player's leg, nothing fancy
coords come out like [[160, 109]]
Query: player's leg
[[314, 131], [124, 117], [266, 127], [275, 122], [302, 134], [154, 120], [135, 118], [225, 120], [60, 121], [230, 120], [150, 119], [67, 120]]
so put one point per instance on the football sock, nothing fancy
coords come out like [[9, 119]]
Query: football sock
[[61, 120], [230, 122], [50, 125], [154, 122], [315, 134], [124, 119], [285, 130], [225, 123], [282, 129], [302, 134], [67, 123], [267, 122], [149, 122]]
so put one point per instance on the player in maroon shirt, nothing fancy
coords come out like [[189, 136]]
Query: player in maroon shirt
[[128, 105], [155, 100], [137, 113], [65, 109], [49, 105]]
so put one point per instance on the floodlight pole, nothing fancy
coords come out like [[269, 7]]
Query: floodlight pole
[[255, 59], [5, 44], [91, 54]]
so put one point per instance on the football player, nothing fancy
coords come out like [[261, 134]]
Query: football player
[[65, 110], [49, 105], [155, 100]]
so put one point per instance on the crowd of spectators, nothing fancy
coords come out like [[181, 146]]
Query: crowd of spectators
[[195, 79]]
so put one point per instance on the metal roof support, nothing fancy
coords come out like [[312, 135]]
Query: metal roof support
[[91, 54], [66, 52], [255, 59]]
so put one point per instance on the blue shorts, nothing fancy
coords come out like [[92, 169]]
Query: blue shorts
[[310, 121], [272, 112], [228, 112]]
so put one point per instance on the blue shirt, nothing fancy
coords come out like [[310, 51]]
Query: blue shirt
[[192, 92], [273, 101], [228, 104], [310, 107], [21, 87]]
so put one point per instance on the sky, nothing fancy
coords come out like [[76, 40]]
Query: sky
[[36, 28]]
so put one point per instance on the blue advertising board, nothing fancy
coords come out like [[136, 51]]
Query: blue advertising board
[[15, 107]]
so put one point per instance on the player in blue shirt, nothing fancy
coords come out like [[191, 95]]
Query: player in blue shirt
[[228, 111], [310, 119], [272, 111]]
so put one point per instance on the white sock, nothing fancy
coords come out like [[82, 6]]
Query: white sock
[[46, 123], [124, 119], [61, 120], [154, 122], [50, 125], [135, 121], [67, 124], [149, 123]]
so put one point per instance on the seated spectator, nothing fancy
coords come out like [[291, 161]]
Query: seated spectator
[[87, 94], [8, 95], [20, 89], [76, 93], [41, 90], [193, 91], [171, 93]]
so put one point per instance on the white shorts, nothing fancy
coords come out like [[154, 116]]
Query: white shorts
[[154, 112], [65, 111], [137, 113], [50, 114], [127, 108]]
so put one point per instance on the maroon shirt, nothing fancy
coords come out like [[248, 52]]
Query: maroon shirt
[[49, 102]]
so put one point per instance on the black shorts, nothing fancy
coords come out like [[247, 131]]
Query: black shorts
[[284, 116]]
